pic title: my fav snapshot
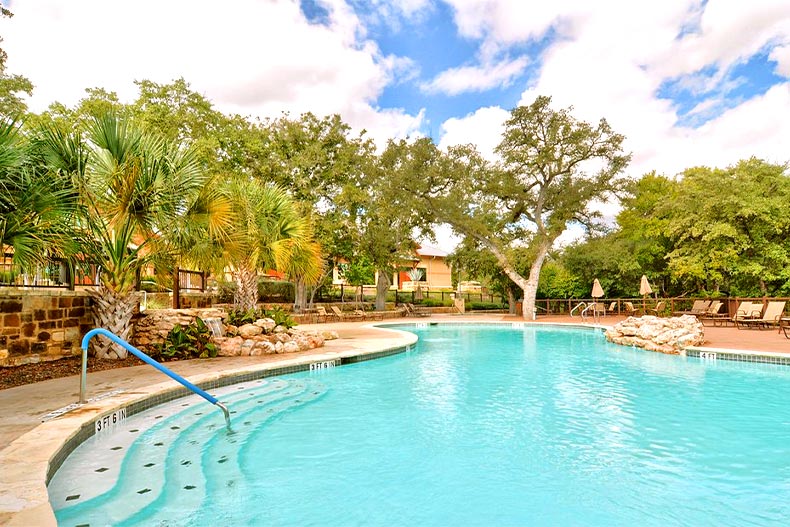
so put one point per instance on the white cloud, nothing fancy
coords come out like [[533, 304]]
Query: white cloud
[[729, 32], [254, 58], [611, 58], [483, 128], [476, 78], [781, 55]]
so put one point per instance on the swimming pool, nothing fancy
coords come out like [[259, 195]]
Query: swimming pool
[[482, 425]]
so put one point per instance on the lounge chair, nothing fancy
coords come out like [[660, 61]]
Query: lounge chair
[[600, 309], [713, 313], [323, 316], [699, 306], [346, 316], [658, 310], [772, 316], [629, 309], [373, 315], [612, 307], [418, 311], [746, 310]]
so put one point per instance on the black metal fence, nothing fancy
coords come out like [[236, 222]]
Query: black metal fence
[[51, 274]]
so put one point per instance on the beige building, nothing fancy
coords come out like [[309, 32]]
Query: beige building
[[435, 273], [431, 262]]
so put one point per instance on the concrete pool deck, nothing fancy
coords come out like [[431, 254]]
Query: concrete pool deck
[[29, 444]]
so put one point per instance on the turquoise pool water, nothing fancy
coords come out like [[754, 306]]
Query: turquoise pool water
[[477, 426]]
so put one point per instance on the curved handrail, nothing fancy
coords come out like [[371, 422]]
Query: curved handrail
[[592, 306], [577, 306], [145, 358]]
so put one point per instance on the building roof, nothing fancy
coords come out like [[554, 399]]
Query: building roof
[[431, 251]]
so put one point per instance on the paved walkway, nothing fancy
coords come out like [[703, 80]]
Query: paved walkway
[[21, 408]]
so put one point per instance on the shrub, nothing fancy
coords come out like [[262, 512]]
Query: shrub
[[433, 302], [225, 292], [275, 291], [485, 306], [192, 341], [7, 277], [281, 317], [239, 317]]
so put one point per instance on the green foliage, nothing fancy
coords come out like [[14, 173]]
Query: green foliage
[[12, 85], [485, 306], [281, 317], [359, 271], [190, 342], [433, 302], [239, 317], [275, 291], [225, 292], [557, 281]]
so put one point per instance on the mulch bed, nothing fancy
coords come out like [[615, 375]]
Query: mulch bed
[[43, 371]]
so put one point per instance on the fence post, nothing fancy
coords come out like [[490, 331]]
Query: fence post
[[176, 299]]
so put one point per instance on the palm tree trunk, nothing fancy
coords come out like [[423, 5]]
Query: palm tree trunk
[[246, 296], [112, 311], [300, 295]]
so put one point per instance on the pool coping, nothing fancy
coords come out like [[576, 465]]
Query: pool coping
[[29, 461]]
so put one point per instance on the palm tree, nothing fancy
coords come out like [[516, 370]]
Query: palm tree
[[267, 233], [35, 205], [137, 192]]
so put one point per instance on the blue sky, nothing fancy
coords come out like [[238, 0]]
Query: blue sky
[[688, 82]]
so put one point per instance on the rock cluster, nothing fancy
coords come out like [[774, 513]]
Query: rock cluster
[[261, 337], [264, 337], [153, 326], [666, 335]]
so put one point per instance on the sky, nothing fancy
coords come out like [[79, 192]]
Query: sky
[[688, 82]]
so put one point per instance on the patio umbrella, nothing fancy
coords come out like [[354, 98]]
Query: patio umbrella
[[597, 290], [644, 290]]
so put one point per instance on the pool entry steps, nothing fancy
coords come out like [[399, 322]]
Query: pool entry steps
[[145, 358]]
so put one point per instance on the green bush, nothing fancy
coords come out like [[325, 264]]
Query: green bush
[[281, 317], [239, 317], [225, 292], [485, 306], [275, 291], [433, 302], [192, 341], [8, 277]]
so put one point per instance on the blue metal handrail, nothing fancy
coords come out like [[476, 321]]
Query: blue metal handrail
[[145, 358]]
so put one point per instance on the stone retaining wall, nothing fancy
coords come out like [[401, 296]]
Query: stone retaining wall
[[41, 325]]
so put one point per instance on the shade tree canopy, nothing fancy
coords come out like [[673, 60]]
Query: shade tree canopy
[[552, 168]]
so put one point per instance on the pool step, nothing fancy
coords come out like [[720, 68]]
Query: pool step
[[157, 458]]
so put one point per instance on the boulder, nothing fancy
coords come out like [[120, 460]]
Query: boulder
[[290, 347], [230, 347], [250, 330], [266, 324], [664, 335]]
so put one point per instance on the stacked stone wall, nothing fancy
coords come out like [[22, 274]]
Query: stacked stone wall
[[41, 325]]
